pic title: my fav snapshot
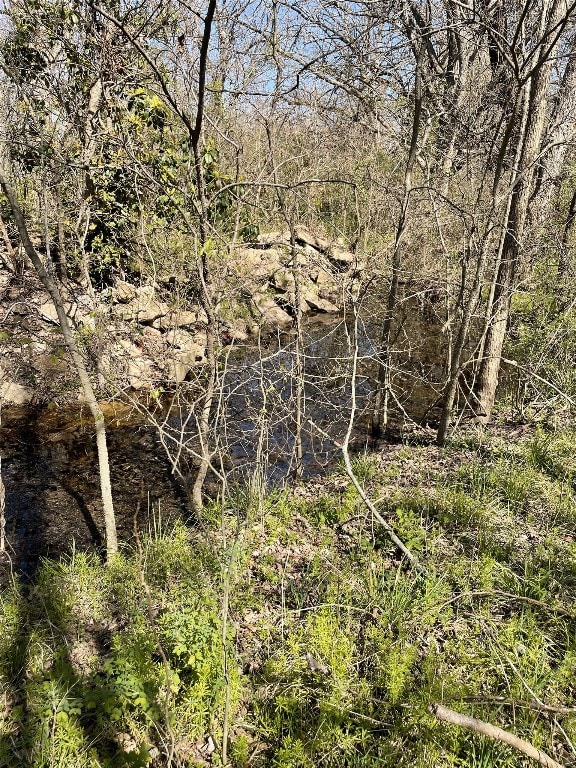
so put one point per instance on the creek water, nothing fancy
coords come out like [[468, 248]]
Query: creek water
[[49, 462]]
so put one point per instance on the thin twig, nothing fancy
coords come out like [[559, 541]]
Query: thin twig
[[353, 343], [548, 383]]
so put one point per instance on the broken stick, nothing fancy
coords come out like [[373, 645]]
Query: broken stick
[[493, 732]]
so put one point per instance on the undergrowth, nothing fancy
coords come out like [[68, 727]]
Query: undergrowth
[[333, 649]]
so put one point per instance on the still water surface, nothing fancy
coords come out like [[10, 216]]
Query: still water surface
[[49, 463]]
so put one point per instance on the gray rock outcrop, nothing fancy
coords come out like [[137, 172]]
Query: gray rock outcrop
[[139, 336]]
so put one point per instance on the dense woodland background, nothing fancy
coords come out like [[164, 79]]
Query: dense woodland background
[[419, 158]]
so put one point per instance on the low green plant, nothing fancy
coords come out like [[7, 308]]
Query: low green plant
[[113, 669], [334, 647]]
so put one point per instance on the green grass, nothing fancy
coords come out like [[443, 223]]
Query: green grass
[[334, 649]]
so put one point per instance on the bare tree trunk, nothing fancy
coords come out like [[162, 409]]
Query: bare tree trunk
[[67, 332], [194, 128], [60, 260], [530, 140], [565, 265], [204, 269], [461, 338], [15, 257], [88, 150], [299, 406], [559, 138], [477, 284]]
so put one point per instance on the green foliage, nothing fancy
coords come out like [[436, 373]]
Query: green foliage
[[543, 341], [110, 670], [342, 647]]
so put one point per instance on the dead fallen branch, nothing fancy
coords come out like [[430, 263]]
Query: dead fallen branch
[[493, 732], [534, 705]]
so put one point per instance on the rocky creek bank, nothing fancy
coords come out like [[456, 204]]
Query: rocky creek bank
[[142, 336]]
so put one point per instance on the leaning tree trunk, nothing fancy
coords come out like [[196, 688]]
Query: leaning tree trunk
[[67, 332], [531, 140]]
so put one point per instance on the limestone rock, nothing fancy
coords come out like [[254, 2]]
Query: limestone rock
[[283, 280], [50, 364], [304, 235], [15, 394], [177, 371], [127, 347], [48, 312], [287, 302], [124, 292], [271, 313], [181, 361], [181, 319], [318, 304], [235, 332], [342, 256], [253, 267], [143, 309], [182, 339], [267, 239], [140, 373], [192, 355], [150, 333]]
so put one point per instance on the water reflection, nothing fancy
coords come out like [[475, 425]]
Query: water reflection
[[50, 467]]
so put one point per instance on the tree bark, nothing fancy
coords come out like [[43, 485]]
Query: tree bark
[[88, 150], [559, 138], [51, 286], [565, 265], [204, 269], [531, 140]]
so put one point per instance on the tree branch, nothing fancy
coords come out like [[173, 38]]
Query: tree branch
[[493, 732]]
